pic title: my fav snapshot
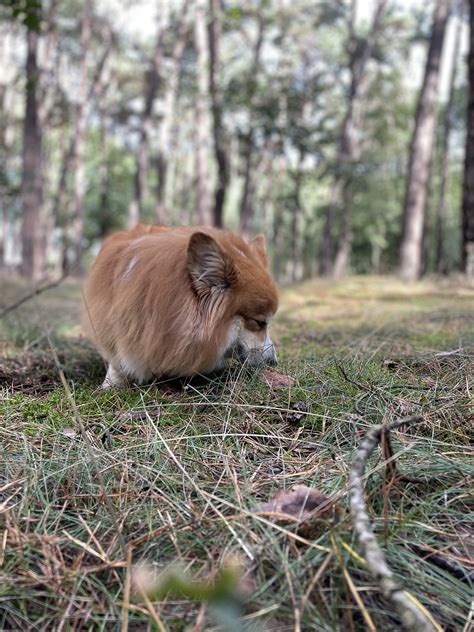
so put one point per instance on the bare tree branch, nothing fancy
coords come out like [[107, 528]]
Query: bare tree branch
[[35, 292], [413, 617]]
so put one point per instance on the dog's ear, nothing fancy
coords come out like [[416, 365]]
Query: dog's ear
[[209, 267], [257, 245]]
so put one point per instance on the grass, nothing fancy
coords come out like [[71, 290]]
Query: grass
[[185, 464]]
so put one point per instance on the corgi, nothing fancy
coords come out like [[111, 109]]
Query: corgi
[[178, 301]]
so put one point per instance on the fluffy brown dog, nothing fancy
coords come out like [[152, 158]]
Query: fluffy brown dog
[[162, 301]]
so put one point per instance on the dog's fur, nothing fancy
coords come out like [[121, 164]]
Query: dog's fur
[[162, 301]]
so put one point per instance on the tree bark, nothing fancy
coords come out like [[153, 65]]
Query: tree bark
[[78, 159], [104, 179], [348, 149], [277, 237], [219, 133], [202, 115], [95, 91], [440, 261], [296, 249], [326, 248], [152, 81], [33, 259], [166, 126], [248, 191], [4, 122], [47, 65], [467, 253], [421, 150]]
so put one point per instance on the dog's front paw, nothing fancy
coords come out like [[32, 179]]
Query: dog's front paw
[[114, 379]]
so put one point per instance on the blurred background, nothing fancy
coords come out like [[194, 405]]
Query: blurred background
[[335, 127]]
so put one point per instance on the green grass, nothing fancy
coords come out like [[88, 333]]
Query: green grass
[[185, 464]]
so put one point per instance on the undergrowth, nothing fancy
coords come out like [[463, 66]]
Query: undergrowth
[[186, 463]]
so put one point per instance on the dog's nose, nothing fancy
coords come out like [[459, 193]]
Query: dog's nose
[[269, 352]]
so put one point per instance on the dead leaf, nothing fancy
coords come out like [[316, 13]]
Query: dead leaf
[[296, 412], [272, 378], [300, 503], [391, 364], [69, 432]]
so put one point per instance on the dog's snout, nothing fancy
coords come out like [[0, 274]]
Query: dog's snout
[[269, 352], [258, 355]]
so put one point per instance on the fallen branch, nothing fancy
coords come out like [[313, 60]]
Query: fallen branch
[[412, 614], [35, 292], [442, 561]]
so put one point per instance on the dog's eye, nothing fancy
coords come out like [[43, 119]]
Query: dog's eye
[[255, 324]]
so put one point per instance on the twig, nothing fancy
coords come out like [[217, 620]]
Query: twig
[[126, 592], [412, 614], [35, 292], [445, 354], [342, 371]]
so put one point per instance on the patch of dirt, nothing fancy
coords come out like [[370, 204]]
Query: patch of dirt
[[35, 372]]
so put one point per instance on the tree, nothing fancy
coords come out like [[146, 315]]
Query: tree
[[440, 255], [360, 51], [219, 133], [248, 139], [467, 253], [77, 159], [151, 85], [202, 115], [165, 128], [33, 255], [70, 155], [421, 150], [4, 148]]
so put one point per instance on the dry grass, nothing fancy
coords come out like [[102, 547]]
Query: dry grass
[[186, 463]]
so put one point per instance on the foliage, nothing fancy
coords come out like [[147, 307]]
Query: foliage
[[28, 12], [290, 105]]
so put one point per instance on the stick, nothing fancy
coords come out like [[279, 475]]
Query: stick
[[35, 292], [414, 618]]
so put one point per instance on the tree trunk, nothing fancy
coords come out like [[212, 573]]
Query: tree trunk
[[76, 236], [47, 65], [348, 153], [95, 92], [421, 150], [152, 82], [220, 137], [3, 161], [166, 126], [467, 253], [33, 259], [440, 261], [277, 237], [296, 220], [248, 191], [326, 248], [343, 254], [202, 115], [348, 147]]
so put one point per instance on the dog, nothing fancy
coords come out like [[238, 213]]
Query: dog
[[176, 302]]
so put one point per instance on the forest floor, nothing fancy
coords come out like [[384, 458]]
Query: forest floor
[[185, 464]]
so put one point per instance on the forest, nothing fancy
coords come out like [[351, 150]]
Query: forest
[[337, 128]]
